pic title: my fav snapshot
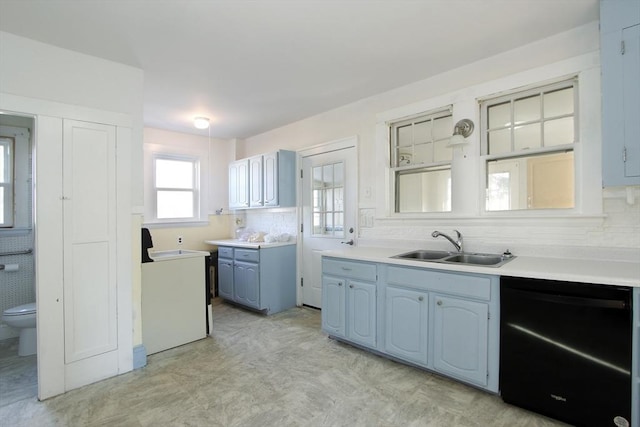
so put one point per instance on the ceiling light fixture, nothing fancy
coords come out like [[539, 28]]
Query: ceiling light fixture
[[201, 122], [462, 129]]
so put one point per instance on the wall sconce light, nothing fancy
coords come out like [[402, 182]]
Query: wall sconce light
[[461, 130], [201, 122]]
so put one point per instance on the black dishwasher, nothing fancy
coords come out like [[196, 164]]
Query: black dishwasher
[[565, 350]]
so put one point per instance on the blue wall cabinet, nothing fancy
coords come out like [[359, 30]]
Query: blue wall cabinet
[[406, 324], [460, 333], [263, 279], [620, 59], [263, 181]]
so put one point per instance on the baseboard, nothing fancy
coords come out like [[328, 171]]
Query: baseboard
[[139, 356], [7, 332]]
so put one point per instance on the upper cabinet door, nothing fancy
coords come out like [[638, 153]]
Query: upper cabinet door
[[620, 59], [255, 182], [270, 181], [239, 184]]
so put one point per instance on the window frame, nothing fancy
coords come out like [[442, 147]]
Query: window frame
[[8, 219], [485, 158], [195, 190], [396, 170]]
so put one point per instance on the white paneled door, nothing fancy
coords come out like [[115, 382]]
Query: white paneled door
[[329, 192], [89, 250]]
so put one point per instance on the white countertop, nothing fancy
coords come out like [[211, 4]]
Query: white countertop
[[251, 245], [574, 270]]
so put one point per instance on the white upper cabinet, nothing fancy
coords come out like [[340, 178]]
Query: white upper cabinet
[[620, 58], [267, 180]]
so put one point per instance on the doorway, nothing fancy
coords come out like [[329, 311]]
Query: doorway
[[328, 204]]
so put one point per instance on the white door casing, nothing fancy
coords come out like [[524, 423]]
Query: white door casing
[[335, 186]]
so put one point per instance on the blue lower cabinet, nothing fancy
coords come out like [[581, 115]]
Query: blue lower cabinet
[[361, 312], [406, 324], [247, 284], [460, 338], [225, 278], [334, 306]]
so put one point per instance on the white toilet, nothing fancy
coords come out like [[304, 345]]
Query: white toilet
[[23, 317]]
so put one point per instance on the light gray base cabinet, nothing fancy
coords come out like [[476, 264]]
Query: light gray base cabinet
[[262, 279], [445, 322]]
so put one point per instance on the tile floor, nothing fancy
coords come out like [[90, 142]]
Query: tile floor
[[255, 370]]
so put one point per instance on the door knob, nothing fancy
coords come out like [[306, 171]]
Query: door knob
[[350, 242]]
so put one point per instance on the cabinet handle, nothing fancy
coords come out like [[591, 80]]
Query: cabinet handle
[[351, 286], [439, 302], [420, 298], [339, 283], [346, 269]]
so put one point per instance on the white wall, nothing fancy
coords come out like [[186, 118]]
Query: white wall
[[548, 58]]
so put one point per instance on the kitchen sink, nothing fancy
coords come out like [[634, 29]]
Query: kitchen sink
[[464, 258]]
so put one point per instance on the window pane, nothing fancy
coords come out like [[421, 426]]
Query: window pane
[[175, 204], [327, 176], [499, 141], [559, 102], [316, 200], [3, 164], [317, 177], [422, 132], [174, 174], [527, 136], [317, 224], [404, 135], [328, 223], [442, 128], [328, 199], [338, 174], [558, 132], [338, 199], [499, 115], [423, 153], [442, 152], [425, 190], [527, 109], [3, 220]]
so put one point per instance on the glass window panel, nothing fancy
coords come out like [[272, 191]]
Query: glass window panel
[[526, 109], [558, 132], [318, 229], [404, 157], [527, 136], [424, 190], [559, 102], [328, 223], [498, 191], [338, 218], [404, 135], [442, 128], [441, 151], [499, 115], [316, 200], [422, 132], [338, 199], [3, 163], [2, 202], [499, 141], [327, 176], [174, 174], [175, 204], [328, 199], [338, 174], [423, 153], [317, 177]]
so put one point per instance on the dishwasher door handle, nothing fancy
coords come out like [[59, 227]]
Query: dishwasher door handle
[[572, 300]]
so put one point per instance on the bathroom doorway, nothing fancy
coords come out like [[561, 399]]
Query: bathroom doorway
[[18, 374]]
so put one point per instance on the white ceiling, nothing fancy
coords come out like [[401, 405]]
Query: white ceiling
[[252, 66]]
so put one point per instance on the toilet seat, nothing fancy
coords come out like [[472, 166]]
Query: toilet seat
[[21, 310]]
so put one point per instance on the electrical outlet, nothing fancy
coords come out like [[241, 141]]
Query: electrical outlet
[[179, 240]]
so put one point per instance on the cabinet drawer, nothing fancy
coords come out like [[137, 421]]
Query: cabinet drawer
[[349, 269], [251, 255], [225, 252], [450, 283]]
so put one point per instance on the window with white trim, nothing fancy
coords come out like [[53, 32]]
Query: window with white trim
[[421, 162], [528, 146], [176, 188], [6, 182]]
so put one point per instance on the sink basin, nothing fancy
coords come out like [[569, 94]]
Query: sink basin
[[464, 258], [424, 255], [478, 259]]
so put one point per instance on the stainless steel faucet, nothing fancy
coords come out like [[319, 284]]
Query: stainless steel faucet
[[458, 244]]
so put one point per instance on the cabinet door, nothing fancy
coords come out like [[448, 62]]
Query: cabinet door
[[225, 278], [255, 181], [246, 284], [239, 184], [361, 313], [406, 324], [270, 179], [460, 338], [333, 305]]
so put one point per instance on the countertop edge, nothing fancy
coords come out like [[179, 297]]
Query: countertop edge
[[249, 245]]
